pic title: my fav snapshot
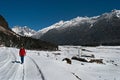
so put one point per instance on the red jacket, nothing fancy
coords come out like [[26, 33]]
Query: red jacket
[[22, 52]]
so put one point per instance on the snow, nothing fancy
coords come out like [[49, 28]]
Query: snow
[[23, 31], [117, 12], [47, 65], [113, 13]]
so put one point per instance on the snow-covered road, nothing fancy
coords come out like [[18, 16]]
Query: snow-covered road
[[35, 67], [46, 65]]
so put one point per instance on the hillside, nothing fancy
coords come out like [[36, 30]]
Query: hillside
[[97, 30], [11, 39]]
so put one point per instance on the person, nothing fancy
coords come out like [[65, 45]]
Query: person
[[22, 53]]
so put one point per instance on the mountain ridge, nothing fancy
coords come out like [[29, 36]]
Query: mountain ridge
[[103, 29], [97, 30]]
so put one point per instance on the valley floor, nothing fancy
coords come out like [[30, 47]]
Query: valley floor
[[48, 65]]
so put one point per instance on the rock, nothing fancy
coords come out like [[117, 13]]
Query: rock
[[79, 59], [67, 60], [99, 61]]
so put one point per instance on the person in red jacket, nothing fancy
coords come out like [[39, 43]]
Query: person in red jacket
[[22, 53]]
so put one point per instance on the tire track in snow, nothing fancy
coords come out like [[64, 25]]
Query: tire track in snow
[[8, 69], [16, 66], [42, 76], [23, 73], [76, 76]]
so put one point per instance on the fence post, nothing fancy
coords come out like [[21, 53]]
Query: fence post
[[79, 51]]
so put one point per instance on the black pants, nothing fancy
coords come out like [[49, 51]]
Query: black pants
[[22, 59]]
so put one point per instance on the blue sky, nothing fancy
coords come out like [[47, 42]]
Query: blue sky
[[38, 14]]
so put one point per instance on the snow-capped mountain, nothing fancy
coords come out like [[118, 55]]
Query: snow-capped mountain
[[61, 25], [102, 29], [23, 31]]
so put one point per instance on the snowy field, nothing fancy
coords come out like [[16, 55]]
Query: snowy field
[[48, 65]]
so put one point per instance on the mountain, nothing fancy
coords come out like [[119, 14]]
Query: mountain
[[23, 31], [3, 22], [45, 30], [11, 39], [103, 29]]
